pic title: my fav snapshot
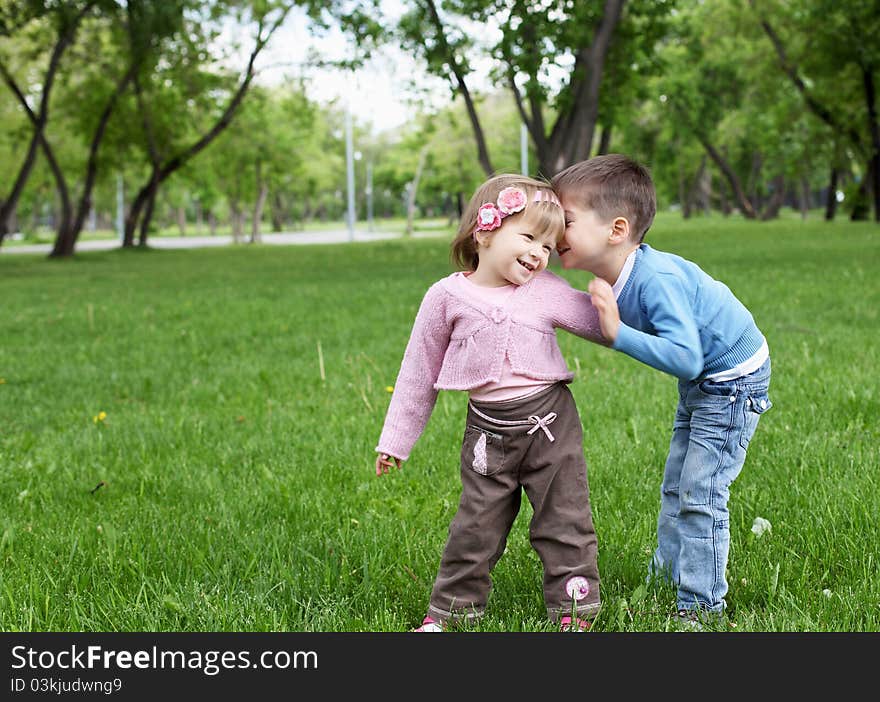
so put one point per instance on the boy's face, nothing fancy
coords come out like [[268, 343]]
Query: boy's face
[[586, 241]]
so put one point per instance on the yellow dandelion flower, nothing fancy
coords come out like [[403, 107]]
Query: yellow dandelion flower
[[2, 381], [389, 388]]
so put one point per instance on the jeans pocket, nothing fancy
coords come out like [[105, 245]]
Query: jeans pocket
[[723, 388], [482, 451], [754, 406]]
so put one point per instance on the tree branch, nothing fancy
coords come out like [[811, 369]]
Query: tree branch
[[449, 55], [817, 108]]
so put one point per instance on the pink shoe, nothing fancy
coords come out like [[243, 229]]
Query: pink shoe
[[429, 626], [576, 625]]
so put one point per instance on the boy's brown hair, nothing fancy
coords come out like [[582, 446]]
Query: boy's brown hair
[[539, 217], [612, 185]]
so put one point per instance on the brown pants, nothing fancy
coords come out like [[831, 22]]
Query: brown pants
[[507, 447]]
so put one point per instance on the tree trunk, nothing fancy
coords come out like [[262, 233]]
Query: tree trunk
[[746, 207], [183, 157], [136, 209], [263, 187], [723, 201], [571, 139], [874, 130], [861, 206], [683, 189], [605, 140], [804, 197], [181, 219], [85, 200], [66, 34], [458, 73], [149, 206], [277, 212], [9, 205], [236, 221], [777, 197], [411, 198], [754, 178], [256, 235], [831, 199], [704, 188], [64, 241], [821, 111], [64, 238], [212, 223]]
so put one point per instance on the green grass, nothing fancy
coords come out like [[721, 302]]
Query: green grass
[[237, 490]]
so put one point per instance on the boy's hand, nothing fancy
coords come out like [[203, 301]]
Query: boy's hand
[[606, 304], [384, 463]]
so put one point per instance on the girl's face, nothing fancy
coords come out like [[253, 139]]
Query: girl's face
[[511, 254]]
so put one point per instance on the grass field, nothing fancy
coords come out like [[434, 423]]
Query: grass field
[[186, 441]]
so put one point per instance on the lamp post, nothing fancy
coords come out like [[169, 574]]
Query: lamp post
[[349, 167], [120, 209], [369, 193]]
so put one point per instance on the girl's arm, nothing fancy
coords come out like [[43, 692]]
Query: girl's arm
[[572, 310], [414, 395]]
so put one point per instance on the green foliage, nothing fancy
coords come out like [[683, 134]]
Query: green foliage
[[229, 484], [676, 73]]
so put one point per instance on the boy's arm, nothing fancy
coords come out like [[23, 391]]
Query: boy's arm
[[676, 347], [414, 395]]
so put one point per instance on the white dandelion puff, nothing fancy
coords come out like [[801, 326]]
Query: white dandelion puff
[[761, 525]]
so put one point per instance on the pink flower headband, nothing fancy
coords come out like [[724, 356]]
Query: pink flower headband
[[510, 200]]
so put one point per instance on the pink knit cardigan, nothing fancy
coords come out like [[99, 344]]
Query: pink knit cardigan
[[459, 343]]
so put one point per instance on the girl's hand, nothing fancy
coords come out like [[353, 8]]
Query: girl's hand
[[384, 462], [606, 304]]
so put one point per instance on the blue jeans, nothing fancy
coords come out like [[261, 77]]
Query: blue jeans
[[714, 423]]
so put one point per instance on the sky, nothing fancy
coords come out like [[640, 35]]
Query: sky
[[377, 93]]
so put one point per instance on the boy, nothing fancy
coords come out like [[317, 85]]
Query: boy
[[665, 311]]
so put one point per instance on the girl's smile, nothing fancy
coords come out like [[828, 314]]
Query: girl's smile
[[511, 254]]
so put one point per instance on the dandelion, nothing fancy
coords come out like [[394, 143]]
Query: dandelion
[[760, 525], [100, 417], [826, 592], [2, 381], [389, 388]]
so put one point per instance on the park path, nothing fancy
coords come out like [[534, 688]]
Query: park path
[[335, 236]]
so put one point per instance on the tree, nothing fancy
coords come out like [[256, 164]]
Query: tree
[[831, 55], [64, 20], [719, 87], [535, 42], [166, 150]]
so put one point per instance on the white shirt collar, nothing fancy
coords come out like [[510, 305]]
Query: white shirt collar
[[628, 264]]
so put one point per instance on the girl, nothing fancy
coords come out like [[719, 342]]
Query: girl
[[490, 329]]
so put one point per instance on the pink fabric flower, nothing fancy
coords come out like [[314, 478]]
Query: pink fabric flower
[[511, 200], [488, 217]]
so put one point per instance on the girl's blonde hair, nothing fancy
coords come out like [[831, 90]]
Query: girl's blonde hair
[[540, 217]]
